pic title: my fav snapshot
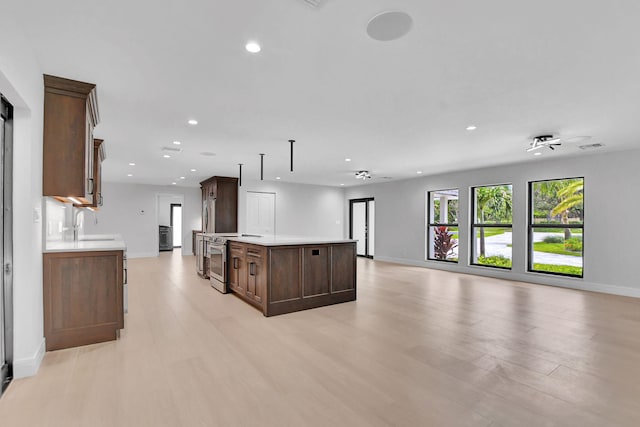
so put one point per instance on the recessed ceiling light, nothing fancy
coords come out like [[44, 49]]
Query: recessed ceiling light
[[192, 122], [182, 177], [347, 159], [341, 184], [129, 174], [253, 47], [419, 172], [173, 183], [177, 142], [132, 164], [472, 127], [166, 156], [277, 177], [193, 170], [537, 154]]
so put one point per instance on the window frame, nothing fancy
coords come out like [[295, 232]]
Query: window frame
[[475, 225], [531, 226], [430, 223]]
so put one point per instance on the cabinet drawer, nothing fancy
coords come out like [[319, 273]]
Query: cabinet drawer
[[236, 247], [255, 252]]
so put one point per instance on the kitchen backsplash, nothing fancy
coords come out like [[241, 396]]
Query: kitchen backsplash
[[58, 219]]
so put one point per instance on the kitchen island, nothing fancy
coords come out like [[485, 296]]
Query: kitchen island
[[84, 290], [283, 274]]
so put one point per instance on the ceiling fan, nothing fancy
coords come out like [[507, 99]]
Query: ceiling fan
[[542, 141], [363, 175], [550, 141]]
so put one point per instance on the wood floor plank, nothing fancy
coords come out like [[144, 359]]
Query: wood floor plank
[[418, 347]]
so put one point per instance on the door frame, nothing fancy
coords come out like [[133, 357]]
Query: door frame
[[171, 223], [366, 201], [6, 110]]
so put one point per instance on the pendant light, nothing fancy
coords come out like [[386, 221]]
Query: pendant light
[[240, 175], [291, 141], [261, 167]]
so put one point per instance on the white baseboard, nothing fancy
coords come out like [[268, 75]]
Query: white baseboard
[[535, 278], [141, 255], [29, 367]]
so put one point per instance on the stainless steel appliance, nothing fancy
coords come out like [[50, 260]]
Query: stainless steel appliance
[[218, 262], [202, 254], [209, 215]]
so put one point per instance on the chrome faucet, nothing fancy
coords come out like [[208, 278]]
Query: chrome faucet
[[75, 223]]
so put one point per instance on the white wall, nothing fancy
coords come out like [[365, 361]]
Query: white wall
[[21, 83], [131, 210], [301, 210], [611, 206], [164, 207]]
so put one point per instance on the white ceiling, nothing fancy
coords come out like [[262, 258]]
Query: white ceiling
[[514, 69]]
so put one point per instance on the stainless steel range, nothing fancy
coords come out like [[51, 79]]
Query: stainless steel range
[[218, 261]]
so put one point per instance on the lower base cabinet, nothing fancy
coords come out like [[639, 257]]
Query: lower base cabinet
[[83, 297], [284, 279]]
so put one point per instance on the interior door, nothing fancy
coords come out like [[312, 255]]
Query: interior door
[[362, 225], [6, 247], [175, 219], [261, 213]]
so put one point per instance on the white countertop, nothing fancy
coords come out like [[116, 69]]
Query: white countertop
[[92, 242], [288, 240]]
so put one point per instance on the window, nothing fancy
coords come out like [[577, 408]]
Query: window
[[556, 226], [491, 232], [442, 228]]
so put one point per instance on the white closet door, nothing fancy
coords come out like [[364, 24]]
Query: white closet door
[[261, 213]]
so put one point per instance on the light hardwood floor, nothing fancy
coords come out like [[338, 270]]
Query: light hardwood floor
[[418, 348]]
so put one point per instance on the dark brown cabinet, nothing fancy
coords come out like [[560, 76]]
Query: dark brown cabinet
[[283, 279], [98, 157], [247, 273], [237, 268], [220, 205], [70, 115], [256, 275], [83, 297]]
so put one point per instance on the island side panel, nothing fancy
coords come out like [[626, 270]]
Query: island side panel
[[316, 271], [343, 267], [297, 277], [285, 267]]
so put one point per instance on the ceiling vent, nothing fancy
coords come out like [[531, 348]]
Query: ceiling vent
[[171, 150], [315, 3], [591, 146], [207, 154]]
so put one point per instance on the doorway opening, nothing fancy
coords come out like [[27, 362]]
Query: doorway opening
[[6, 246], [176, 224], [362, 225]]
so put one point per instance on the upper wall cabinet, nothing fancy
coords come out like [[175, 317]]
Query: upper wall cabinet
[[220, 205], [70, 114]]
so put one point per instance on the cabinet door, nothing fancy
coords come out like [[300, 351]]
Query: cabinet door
[[83, 299], [90, 187], [256, 278], [237, 270]]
